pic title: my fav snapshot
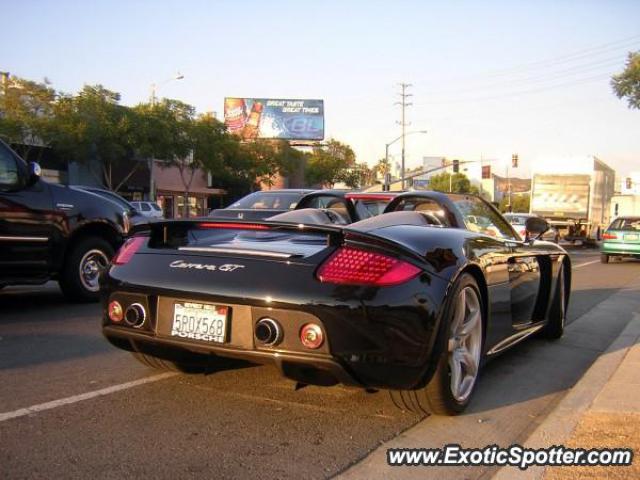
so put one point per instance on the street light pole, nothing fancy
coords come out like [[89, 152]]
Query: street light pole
[[386, 153], [404, 104], [151, 163]]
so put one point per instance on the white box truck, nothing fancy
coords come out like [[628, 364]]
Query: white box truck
[[574, 195]]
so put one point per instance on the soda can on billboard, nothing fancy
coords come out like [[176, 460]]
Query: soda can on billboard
[[235, 116]]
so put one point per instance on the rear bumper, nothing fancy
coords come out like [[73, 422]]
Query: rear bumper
[[312, 369], [620, 248], [380, 338]]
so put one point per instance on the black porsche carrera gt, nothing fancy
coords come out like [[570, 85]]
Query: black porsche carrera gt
[[413, 300]]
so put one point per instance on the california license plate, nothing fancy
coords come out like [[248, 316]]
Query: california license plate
[[200, 321], [631, 237]]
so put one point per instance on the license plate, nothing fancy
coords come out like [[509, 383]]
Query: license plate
[[200, 321], [631, 237]]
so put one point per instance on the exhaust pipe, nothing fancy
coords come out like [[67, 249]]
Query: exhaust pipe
[[135, 315], [268, 332]]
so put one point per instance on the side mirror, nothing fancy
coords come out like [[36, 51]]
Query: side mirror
[[536, 226], [35, 172]]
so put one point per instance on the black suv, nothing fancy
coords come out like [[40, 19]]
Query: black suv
[[50, 231]]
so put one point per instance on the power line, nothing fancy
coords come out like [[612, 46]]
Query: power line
[[539, 79], [403, 123], [589, 55], [576, 55], [522, 92]]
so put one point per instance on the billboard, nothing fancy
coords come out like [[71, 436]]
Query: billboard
[[252, 118]]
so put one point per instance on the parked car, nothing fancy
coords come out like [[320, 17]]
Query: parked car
[[411, 300], [621, 239], [148, 209], [262, 204], [50, 231], [346, 206], [518, 222], [134, 216]]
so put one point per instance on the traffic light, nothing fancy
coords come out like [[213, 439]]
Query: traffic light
[[514, 160], [629, 183], [456, 166]]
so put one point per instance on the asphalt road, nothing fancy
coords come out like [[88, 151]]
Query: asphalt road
[[240, 422]]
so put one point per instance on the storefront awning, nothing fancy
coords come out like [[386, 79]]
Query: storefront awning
[[179, 190]]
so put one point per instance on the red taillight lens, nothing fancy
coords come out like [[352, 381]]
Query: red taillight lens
[[354, 266], [234, 226], [115, 312], [311, 336], [128, 250], [609, 236]]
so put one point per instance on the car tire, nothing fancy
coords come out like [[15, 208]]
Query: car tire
[[554, 328], [82, 268], [604, 258], [168, 365], [438, 396]]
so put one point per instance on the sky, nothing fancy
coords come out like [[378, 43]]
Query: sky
[[489, 78]]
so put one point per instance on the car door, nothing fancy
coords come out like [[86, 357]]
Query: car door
[[27, 222], [523, 266]]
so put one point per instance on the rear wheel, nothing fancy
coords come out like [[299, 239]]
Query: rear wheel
[[558, 311], [160, 364], [83, 265], [449, 390], [604, 258]]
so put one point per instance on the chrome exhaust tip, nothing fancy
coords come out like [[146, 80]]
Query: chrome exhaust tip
[[135, 315], [268, 332]]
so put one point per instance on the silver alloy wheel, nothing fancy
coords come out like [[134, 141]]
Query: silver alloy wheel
[[92, 263], [465, 344]]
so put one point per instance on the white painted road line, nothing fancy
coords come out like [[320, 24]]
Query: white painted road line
[[21, 412], [585, 264]]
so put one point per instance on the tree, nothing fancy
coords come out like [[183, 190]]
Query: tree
[[26, 113], [358, 176], [456, 183], [627, 84], [327, 164], [92, 125], [519, 203]]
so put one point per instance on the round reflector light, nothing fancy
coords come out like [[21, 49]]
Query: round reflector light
[[311, 336], [116, 313]]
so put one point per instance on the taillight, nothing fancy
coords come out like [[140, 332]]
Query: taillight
[[128, 250], [311, 336], [115, 312], [234, 226], [353, 266], [609, 236]]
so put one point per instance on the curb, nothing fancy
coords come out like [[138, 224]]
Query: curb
[[562, 421]]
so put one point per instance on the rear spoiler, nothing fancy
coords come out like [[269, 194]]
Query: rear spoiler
[[164, 231]]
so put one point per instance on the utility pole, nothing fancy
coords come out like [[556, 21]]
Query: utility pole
[[403, 104]]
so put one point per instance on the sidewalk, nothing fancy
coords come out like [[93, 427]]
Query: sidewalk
[[576, 369], [601, 410]]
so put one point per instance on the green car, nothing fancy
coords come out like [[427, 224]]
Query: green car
[[622, 239]]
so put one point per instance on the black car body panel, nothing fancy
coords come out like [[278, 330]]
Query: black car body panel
[[376, 336], [39, 220]]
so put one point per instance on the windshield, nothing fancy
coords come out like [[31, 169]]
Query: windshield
[[480, 217], [268, 200], [516, 219], [630, 224]]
